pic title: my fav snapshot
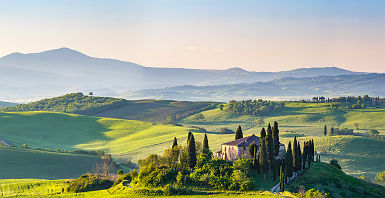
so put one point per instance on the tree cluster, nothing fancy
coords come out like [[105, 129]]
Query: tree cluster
[[71, 103], [253, 107]]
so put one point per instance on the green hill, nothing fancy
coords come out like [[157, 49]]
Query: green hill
[[28, 163], [146, 110], [330, 179]]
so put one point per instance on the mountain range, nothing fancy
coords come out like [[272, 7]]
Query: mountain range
[[55, 72]]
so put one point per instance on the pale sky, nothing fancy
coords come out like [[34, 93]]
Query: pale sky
[[269, 35]]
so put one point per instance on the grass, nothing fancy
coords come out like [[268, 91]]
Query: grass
[[328, 178], [27, 163], [55, 188]]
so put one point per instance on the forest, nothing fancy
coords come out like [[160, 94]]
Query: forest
[[252, 107]]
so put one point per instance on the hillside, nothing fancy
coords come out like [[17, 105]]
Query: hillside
[[60, 71], [146, 110], [328, 178], [28, 163], [284, 88]]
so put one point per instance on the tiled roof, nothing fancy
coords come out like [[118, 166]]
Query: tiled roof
[[244, 141]]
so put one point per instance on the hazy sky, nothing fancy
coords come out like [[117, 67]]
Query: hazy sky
[[269, 35]]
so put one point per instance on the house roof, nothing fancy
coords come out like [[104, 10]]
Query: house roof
[[244, 141]]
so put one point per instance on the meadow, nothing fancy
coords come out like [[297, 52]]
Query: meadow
[[133, 139]]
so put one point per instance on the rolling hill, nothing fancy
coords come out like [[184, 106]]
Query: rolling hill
[[60, 71], [27, 163], [285, 88]]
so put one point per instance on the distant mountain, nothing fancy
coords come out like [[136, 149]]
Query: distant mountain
[[285, 88], [59, 71], [7, 104]]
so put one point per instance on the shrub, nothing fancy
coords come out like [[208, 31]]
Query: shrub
[[120, 172], [88, 182], [226, 131], [335, 163]]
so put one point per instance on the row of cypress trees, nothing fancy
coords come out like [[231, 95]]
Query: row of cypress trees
[[295, 160]]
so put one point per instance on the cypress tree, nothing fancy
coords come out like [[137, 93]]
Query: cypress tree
[[263, 158], [309, 157], [295, 155], [238, 133], [253, 154], [274, 169], [189, 136], [281, 179], [299, 157], [192, 155], [206, 148], [325, 130], [175, 143], [289, 161], [276, 138], [270, 146], [304, 156], [263, 133]]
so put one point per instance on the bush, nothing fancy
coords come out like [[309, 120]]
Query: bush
[[89, 182], [226, 131], [335, 163]]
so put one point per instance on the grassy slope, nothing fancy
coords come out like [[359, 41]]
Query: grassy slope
[[50, 130], [54, 188], [27, 163], [328, 177]]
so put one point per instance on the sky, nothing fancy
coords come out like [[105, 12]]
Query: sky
[[264, 35]]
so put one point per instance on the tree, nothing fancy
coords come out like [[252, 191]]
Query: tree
[[192, 156], [174, 143], [325, 130], [238, 133], [263, 158], [270, 146], [206, 148], [91, 93], [299, 157], [253, 148], [199, 117], [380, 178], [355, 124], [189, 136], [289, 161], [332, 131], [276, 138], [263, 133], [281, 179], [304, 156], [373, 133], [259, 122], [295, 155]]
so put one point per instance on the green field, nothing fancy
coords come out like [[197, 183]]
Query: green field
[[136, 139], [56, 188], [27, 163]]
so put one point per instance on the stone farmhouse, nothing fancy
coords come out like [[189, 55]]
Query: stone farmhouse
[[240, 148]]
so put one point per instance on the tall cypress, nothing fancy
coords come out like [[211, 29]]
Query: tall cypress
[[295, 155], [253, 153], [206, 148], [276, 138], [304, 156], [263, 133], [270, 145], [309, 156], [189, 136], [289, 161], [281, 179], [325, 130], [174, 143], [263, 158], [239, 133], [299, 156], [192, 155]]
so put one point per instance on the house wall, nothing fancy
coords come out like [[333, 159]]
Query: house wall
[[234, 152]]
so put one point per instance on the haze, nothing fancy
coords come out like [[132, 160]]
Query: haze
[[215, 34]]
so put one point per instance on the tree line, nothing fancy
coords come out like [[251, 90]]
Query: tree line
[[252, 107]]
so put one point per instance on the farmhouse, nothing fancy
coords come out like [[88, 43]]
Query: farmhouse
[[240, 148]]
